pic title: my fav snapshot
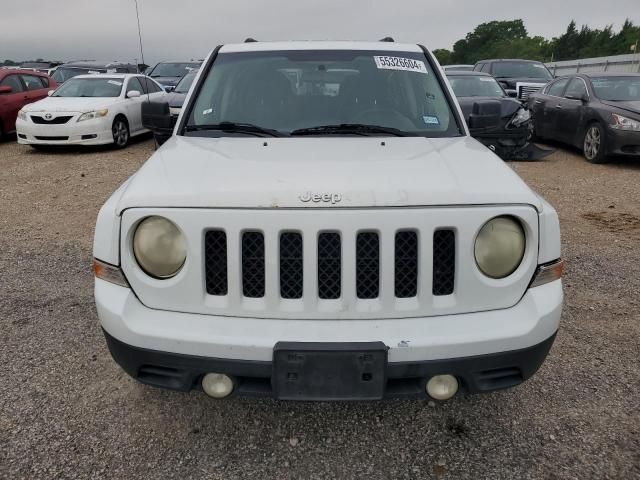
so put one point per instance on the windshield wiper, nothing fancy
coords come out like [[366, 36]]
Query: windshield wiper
[[352, 128], [235, 127]]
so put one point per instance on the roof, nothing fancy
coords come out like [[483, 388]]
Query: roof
[[94, 64], [465, 73], [320, 45], [606, 74], [507, 60], [23, 71], [122, 76]]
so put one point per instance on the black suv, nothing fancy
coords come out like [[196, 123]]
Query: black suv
[[519, 78]]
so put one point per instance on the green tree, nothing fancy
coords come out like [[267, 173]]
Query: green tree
[[443, 55]]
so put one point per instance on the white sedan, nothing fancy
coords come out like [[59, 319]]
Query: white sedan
[[89, 110]]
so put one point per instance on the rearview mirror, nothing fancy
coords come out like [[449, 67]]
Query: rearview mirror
[[485, 115], [6, 89], [156, 117], [133, 94], [169, 89]]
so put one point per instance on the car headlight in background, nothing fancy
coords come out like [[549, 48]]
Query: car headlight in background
[[22, 115], [159, 247], [94, 114], [499, 247], [521, 117], [623, 123]]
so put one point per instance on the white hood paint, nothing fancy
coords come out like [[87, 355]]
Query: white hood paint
[[244, 173], [70, 104]]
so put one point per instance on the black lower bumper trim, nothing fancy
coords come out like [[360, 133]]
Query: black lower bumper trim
[[477, 374]]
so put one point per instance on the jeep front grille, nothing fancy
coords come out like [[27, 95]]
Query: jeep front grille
[[408, 262]]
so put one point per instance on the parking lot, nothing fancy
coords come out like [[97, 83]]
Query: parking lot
[[68, 411]]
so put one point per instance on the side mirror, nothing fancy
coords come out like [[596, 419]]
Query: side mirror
[[512, 93], [485, 115], [50, 92], [5, 89], [156, 117], [133, 94], [169, 89]]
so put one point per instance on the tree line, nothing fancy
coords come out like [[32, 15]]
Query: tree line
[[510, 39]]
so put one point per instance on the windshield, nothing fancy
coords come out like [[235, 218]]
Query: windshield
[[617, 89], [302, 89], [62, 74], [521, 70], [90, 87], [475, 86], [173, 69], [185, 84]]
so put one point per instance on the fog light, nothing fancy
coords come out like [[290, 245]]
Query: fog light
[[442, 387], [217, 385]]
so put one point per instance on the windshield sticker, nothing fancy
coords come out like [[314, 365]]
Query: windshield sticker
[[486, 79], [93, 72], [398, 63], [207, 111], [431, 120], [114, 82], [111, 70]]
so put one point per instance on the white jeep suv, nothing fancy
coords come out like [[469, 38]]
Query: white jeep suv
[[321, 226]]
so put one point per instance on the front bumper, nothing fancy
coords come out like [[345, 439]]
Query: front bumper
[[486, 350], [89, 132], [507, 144], [622, 142]]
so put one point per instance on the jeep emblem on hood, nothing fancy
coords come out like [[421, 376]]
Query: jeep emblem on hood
[[332, 198]]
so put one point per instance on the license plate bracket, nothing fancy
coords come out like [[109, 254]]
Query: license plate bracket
[[329, 371]]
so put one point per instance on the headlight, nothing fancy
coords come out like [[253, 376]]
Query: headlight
[[623, 123], [499, 247], [22, 115], [92, 115], [521, 117], [159, 247]]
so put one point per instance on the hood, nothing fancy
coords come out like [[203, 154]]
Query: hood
[[508, 106], [167, 81], [512, 81], [175, 100], [632, 106], [241, 172], [68, 104]]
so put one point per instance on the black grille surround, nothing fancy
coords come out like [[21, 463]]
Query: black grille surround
[[444, 262], [253, 269], [367, 265], [291, 265], [365, 270], [54, 121], [406, 264], [329, 266], [215, 252]]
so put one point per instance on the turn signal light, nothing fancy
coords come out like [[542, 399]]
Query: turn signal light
[[109, 273], [548, 273]]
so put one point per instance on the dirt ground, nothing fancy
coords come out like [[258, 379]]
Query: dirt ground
[[68, 411]]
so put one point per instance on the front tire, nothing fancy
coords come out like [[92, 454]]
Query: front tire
[[120, 131], [593, 145]]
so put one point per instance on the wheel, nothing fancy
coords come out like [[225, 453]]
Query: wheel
[[120, 130], [594, 146]]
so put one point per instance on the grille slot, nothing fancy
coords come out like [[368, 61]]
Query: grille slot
[[444, 262], [291, 269], [406, 264], [58, 139], [215, 251], [367, 265], [54, 121], [253, 275], [329, 265]]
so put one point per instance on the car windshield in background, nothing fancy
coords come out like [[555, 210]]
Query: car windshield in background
[[185, 84], [521, 70], [475, 86], [617, 89], [323, 92], [90, 87], [173, 69], [62, 74]]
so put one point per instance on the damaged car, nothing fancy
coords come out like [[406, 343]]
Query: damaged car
[[476, 92]]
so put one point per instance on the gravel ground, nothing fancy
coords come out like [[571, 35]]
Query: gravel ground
[[67, 410]]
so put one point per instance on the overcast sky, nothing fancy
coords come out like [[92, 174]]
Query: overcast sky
[[184, 29]]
